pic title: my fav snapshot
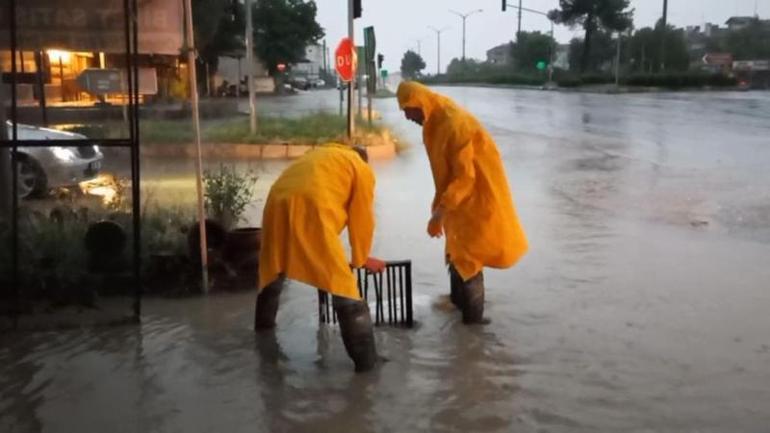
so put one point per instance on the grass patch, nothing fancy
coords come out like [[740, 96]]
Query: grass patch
[[311, 129]]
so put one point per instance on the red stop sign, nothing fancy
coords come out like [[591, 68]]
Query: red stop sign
[[346, 60]]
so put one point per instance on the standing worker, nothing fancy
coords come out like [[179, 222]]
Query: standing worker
[[472, 204], [308, 207]]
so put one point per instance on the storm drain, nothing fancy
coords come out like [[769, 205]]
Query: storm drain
[[391, 292]]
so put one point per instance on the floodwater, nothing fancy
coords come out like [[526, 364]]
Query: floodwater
[[641, 307]]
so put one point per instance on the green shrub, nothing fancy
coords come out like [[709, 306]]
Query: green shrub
[[679, 80]]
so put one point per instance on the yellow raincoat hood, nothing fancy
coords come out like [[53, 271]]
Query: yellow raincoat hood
[[480, 223]]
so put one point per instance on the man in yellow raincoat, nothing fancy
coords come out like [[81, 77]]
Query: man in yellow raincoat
[[314, 199], [473, 204]]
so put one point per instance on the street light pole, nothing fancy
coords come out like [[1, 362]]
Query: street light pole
[[465, 17], [438, 37], [617, 63], [250, 68], [419, 46], [518, 31], [663, 36]]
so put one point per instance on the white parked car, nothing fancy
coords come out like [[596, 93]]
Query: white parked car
[[43, 168]]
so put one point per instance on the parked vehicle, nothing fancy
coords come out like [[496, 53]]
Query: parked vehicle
[[300, 83], [43, 168]]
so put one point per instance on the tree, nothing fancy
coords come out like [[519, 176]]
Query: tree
[[459, 67], [218, 27], [228, 35], [593, 15], [411, 65], [531, 48], [600, 57], [751, 42], [283, 29], [644, 49]]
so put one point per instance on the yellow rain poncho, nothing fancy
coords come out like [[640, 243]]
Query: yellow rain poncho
[[308, 207], [480, 223]]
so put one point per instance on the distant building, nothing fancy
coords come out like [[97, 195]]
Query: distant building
[[500, 55], [234, 69], [712, 30], [311, 66], [739, 23]]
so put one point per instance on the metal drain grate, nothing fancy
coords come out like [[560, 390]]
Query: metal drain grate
[[392, 292]]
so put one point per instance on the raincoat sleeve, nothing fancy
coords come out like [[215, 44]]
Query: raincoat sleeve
[[463, 173], [361, 216]]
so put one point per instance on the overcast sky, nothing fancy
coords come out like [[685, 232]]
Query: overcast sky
[[400, 23]]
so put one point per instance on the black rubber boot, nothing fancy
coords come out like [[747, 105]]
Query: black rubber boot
[[357, 332], [455, 288], [267, 305], [473, 300]]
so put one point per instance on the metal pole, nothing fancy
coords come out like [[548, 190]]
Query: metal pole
[[360, 84], [553, 54], [14, 173], [617, 63], [190, 42], [663, 37], [369, 102], [351, 85], [250, 68], [238, 81], [5, 164], [464, 18], [41, 85], [438, 65], [518, 32], [208, 80], [326, 71]]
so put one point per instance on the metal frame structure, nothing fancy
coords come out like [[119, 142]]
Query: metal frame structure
[[132, 143], [392, 296]]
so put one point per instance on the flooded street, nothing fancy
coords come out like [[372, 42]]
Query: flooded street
[[642, 305]]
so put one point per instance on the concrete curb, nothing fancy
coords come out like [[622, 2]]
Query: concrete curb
[[380, 147]]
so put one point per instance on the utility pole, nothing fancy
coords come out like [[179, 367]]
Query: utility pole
[[250, 67], [617, 63], [191, 54], [326, 71], [438, 38], [464, 17], [663, 29], [518, 32], [352, 83]]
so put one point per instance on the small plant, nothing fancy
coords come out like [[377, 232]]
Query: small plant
[[227, 194]]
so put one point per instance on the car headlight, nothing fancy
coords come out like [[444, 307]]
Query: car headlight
[[96, 148], [63, 153]]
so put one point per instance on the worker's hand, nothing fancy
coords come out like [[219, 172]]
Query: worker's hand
[[436, 223], [374, 265]]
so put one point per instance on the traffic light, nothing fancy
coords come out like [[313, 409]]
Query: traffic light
[[357, 8], [380, 59], [505, 6]]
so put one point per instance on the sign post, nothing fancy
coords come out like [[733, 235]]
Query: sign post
[[354, 10], [345, 62], [370, 48]]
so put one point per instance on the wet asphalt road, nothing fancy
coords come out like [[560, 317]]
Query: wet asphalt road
[[641, 307]]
